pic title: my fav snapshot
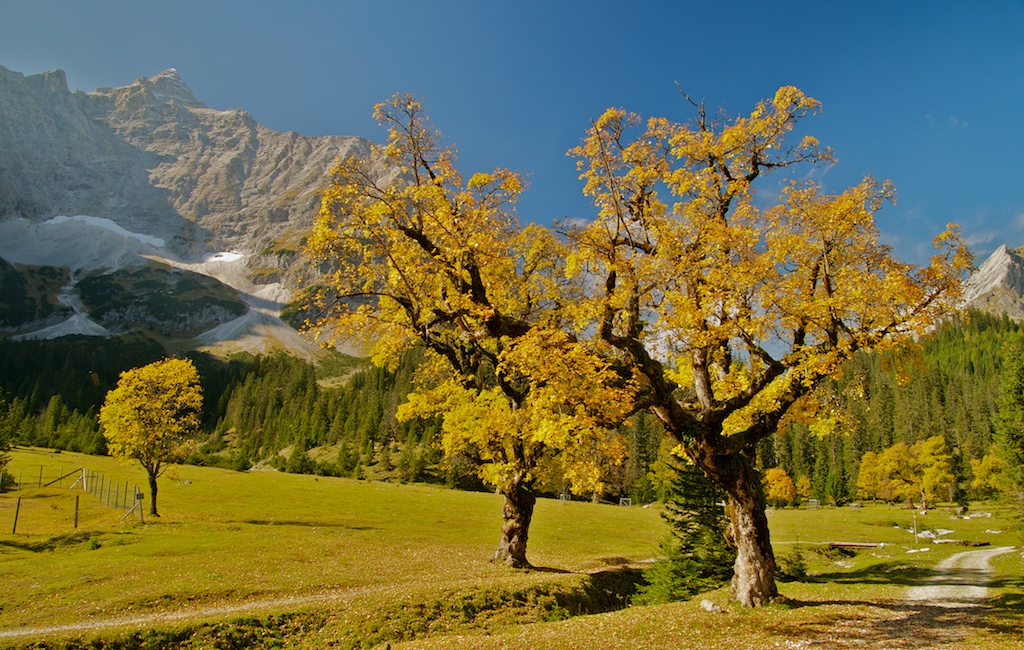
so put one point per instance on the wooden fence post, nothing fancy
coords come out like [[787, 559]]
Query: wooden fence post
[[17, 509], [76, 510]]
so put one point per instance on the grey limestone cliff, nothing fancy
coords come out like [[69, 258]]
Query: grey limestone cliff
[[155, 160], [141, 207], [998, 284]]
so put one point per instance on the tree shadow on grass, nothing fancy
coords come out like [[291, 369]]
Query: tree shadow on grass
[[889, 573], [1003, 612], [612, 566], [547, 569], [49, 543]]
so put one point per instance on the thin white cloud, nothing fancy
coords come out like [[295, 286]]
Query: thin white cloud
[[952, 122], [578, 222], [957, 123], [980, 238], [913, 213]]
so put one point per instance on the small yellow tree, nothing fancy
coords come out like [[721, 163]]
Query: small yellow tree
[[869, 476], [935, 468], [803, 487], [989, 473], [779, 487], [150, 416], [923, 470], [899, 477]]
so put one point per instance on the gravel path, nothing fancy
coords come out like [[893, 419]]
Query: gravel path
[[937, 614], [962, 580]]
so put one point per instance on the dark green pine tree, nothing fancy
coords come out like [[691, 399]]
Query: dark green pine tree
[[697, 555]]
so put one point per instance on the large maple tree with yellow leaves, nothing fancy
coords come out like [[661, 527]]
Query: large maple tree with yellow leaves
[[412, 253], [683, 295], [728, 310]]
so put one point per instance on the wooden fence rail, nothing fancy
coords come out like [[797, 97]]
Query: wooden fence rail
[[121, 495]]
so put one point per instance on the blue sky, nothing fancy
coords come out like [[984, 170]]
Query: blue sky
[[929, 94]]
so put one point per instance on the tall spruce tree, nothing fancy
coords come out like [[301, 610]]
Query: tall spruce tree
[[697, 555]]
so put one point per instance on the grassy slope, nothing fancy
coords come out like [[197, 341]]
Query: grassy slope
[[373, 561], [228, 537]]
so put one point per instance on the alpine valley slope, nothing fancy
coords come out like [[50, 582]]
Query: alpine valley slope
[[141, 207]]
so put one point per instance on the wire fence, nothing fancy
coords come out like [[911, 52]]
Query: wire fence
[[121, 495]]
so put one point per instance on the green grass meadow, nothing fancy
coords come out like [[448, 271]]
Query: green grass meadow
[[264, 559]]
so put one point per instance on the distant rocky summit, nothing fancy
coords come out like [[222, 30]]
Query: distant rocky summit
[[155, 160], [998, 284], [143, 191]]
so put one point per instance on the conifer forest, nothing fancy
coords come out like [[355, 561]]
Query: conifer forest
[[338, 418]]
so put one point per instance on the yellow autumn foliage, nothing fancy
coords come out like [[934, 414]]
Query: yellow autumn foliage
[[152, 411], [754, 302], [151, 414], [418, 256]]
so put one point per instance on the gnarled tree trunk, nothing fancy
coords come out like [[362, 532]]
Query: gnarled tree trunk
[[515, 529], [754, 574], [753, 580]]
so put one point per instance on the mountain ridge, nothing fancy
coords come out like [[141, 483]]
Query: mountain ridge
[[154, 159], [147, 175]]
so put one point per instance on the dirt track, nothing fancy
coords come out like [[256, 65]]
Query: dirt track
[[961, 581], [940, 613], [196, 614]]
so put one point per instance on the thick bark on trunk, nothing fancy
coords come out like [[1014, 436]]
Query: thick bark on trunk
[[753, 580], [152, 496], [515, 530]]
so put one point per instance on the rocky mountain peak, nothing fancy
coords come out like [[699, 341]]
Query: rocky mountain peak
[[169, 86], [998, 284]]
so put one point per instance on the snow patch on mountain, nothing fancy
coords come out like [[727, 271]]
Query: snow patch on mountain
[[79, 243], [77, 324], [227, 256], [101, 222], [259, 330]]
